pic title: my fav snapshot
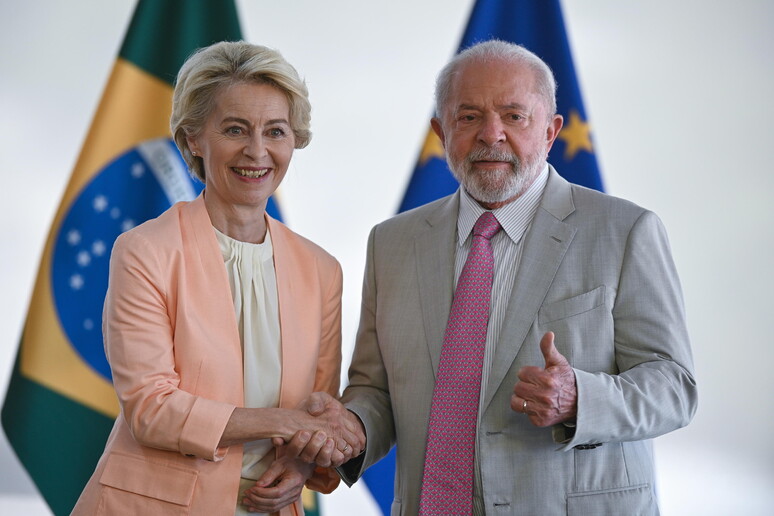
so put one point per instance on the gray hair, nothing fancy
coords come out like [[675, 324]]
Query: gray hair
[[497, 50], [209, 69]]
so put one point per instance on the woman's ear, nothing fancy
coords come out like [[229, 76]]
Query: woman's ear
[[192, 145]]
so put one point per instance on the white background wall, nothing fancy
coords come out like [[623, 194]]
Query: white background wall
[[679, 95]]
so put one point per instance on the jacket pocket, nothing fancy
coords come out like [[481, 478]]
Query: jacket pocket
[[632, 501], [134, 485], [572, 306]]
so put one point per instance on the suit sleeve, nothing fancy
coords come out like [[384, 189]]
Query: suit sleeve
[[368, 393], [654, 391], [139, 344]]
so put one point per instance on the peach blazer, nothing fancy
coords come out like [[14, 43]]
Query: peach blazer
[[172, 342]]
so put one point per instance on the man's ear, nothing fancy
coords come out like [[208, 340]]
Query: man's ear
[[435, 123], [552, 131]]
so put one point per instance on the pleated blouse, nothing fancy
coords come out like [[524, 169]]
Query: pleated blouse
[[253, 281]]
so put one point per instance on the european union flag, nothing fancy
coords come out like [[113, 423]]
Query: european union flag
[[537, 25]]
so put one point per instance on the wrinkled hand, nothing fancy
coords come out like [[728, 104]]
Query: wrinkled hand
[[551, 393], [280, 485], [333, 436]]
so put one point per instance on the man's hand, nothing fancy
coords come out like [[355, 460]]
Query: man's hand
[[550, 393], [280, 485], [333, 436]]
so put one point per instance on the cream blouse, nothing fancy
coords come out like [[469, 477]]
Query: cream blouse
[[251, 275]]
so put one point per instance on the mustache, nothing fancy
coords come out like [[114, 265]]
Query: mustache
[[484, 154]]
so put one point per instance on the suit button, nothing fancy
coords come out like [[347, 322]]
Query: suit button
[[588, 446]]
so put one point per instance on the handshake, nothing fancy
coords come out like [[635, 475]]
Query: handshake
[[326, 433]]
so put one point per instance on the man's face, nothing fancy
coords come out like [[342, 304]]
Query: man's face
[[496, 130]]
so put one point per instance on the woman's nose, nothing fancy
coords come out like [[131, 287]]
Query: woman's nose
[[255, 146]]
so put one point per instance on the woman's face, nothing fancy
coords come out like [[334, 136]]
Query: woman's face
[[245, 144]]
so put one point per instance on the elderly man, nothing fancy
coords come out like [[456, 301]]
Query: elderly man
[[523, 339]]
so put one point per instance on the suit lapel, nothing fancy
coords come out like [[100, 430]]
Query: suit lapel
[[435, 251], [544, 248]]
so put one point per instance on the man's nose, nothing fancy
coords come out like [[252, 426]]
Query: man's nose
[[491, 131]]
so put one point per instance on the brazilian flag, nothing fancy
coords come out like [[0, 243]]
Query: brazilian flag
[[60, 404]]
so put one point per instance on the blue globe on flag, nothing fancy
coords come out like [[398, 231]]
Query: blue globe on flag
[[138, 185]]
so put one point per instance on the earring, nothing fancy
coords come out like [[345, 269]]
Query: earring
[[194, 153]]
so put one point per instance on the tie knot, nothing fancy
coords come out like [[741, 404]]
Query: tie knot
[[486, 225]]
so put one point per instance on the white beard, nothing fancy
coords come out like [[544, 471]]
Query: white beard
[[493, 186]]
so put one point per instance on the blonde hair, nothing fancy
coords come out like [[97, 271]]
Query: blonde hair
[[209, 69]]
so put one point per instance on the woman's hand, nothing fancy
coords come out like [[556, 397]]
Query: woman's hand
[[339, 437], [280, 485]]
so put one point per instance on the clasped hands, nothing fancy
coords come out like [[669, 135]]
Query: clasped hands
[[328, 434], [322, 432], [547, 395]]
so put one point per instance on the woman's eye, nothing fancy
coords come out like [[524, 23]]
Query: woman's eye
[[234, 131], [276, 132]]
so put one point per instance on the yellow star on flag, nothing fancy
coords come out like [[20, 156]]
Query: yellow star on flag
[[432, 148], [576, 136]]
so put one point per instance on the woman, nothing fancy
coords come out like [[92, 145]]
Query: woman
[[202, 354]]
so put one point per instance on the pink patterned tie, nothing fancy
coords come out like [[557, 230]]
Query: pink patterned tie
[[447, 484]]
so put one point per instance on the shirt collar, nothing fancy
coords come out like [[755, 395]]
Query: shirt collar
[[515, 217]]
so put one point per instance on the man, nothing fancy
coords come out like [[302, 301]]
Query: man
[[582, 355]]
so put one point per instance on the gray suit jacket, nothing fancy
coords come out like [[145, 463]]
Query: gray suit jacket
[[595, 270]]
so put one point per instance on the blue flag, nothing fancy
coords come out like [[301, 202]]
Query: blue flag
[[537, 25]]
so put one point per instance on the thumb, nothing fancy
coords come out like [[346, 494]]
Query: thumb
[[315, 405], [270, 475], [550, 353]]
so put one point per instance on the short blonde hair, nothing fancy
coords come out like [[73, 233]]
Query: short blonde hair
[[228, 62]]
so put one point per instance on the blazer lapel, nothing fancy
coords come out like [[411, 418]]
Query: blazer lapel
[[292, 273], [544, 248], [207, 280], [435, 253]]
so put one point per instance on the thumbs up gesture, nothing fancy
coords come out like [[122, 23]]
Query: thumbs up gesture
[[547, 395]]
